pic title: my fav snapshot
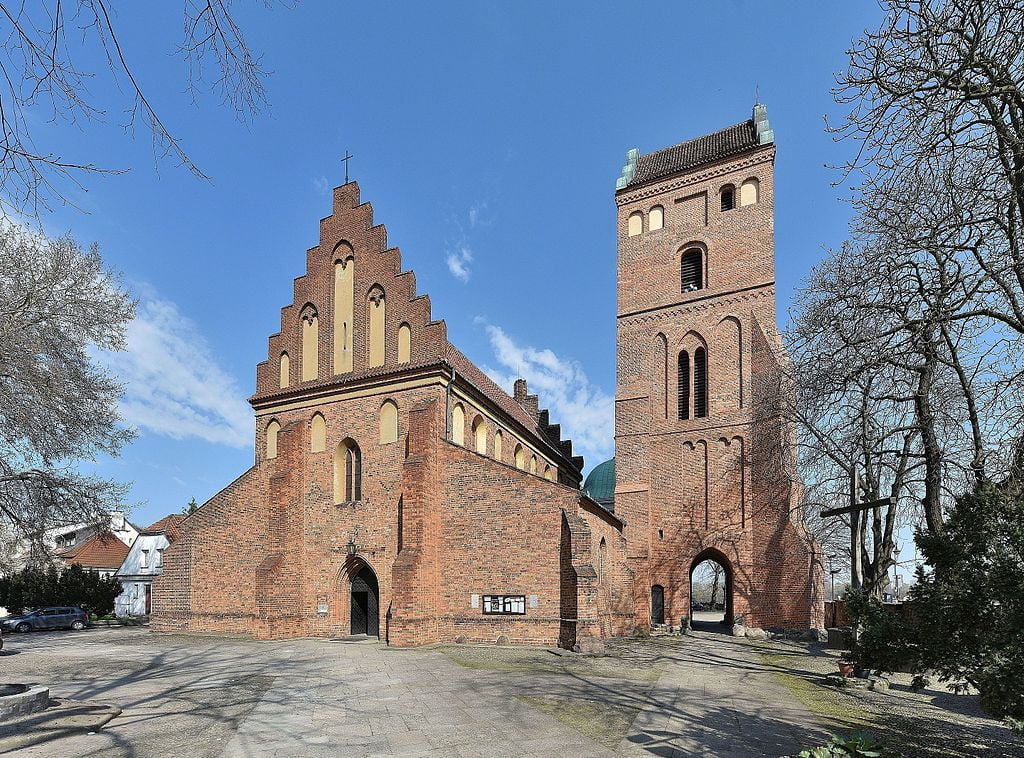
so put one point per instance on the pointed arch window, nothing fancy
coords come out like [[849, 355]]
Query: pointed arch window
[[317, 434], [404, 343], [388, 422], [376, 308], [700, 383], [310, 343], [691, 270], [348, 472], [458, 425], [272, 429], [497, 445], [683, 385], [283, 371], [520, 457], [480, 435], [344, 294]]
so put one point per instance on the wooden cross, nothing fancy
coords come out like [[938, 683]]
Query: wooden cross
[[345, 160], [854, 509]]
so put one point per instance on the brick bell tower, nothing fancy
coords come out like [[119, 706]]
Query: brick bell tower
[[700, 458]]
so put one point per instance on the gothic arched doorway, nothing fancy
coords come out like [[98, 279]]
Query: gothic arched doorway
[[711, 589], [365, 603]]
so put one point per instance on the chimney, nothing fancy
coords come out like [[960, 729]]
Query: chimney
[[519, 391]]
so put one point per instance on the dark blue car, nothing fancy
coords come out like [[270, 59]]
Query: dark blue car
[[57, 617]]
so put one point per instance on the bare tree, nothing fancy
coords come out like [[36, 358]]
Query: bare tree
[[42, 81], [57, 404]]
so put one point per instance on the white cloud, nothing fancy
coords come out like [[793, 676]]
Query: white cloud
[[478, 215], [458, 261], [585, 411], [322, 185], [173, 383]]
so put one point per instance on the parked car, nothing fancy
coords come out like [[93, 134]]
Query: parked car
[[699, 606], [57, 617]]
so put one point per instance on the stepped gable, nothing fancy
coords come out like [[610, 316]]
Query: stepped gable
[[350, 232]]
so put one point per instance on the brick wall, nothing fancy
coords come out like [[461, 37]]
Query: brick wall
[[715, 486]]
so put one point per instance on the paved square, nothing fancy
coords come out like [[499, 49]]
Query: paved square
[[203, 696]]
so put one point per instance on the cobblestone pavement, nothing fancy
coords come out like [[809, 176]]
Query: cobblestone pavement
[[705, 694]]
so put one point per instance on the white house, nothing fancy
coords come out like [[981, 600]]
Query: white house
[[144, 562]]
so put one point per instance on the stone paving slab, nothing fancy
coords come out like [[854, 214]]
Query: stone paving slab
[[212, 698]]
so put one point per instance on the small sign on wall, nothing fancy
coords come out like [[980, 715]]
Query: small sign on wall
[[321, 606], [533, 601], [474, 601]]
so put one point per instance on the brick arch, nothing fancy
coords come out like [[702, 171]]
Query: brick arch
[[343, 251], [717, 556]]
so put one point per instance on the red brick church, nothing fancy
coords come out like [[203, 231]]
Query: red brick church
[[398, 492]]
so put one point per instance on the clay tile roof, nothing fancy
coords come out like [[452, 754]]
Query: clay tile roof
[[471, 373], [168, 525], [102, 551], [695, 152]]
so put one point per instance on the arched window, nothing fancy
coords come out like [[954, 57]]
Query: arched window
[[683, 385], [602, 556], [636, 224], [404, 343], [388, 422], [728, 197], [317, 434], [480, 434], [375, 306], [700, 383], [691, 270], [272, 429], [282, 373], [458, 425], [549, 473], [656, 219], [520, 457], [348, 472], [497, 445], [344, 296], [533, 464], [310, 344], [750, 192]]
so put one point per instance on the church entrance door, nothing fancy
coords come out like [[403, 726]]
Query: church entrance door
[[365, 615]]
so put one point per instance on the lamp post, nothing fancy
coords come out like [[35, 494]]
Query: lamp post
[[833, 571]]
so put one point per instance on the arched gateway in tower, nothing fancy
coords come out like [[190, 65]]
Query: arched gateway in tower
[[699, 468]]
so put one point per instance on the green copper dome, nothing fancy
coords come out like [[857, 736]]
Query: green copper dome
[[600, 484]]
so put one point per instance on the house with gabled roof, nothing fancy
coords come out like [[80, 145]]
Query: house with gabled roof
[[144, 562]]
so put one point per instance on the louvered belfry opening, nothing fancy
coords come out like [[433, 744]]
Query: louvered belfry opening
[[728, 199], [700, 383], [684, 385], [691, 270]]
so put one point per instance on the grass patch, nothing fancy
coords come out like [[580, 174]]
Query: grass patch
[[605, 724], [828, 704]]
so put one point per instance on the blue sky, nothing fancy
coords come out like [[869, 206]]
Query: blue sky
[[487, 137]]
